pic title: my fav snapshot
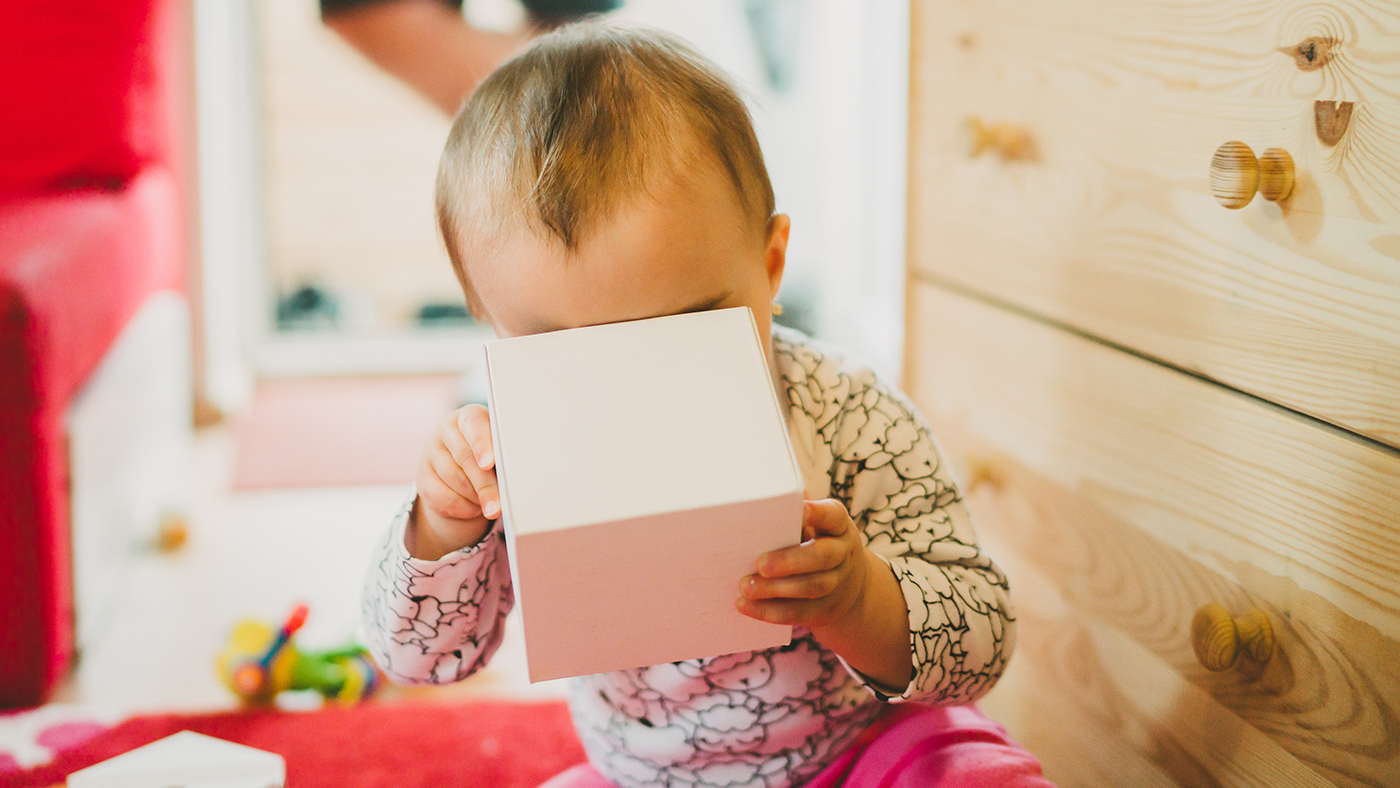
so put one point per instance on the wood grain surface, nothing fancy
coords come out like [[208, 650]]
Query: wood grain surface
[[1099, 708], [1112, 227], [1342, 50], [1122, 497], [1327, 702], [1210, 472]]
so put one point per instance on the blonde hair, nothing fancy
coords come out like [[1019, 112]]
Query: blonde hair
[[590, 116]]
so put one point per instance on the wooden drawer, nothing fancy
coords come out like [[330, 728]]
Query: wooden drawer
[[1236, 49], [1124, 495], [1110, 228], [1103, 686]]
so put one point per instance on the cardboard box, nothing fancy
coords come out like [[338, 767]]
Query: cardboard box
[[643, 468], [187, 759]]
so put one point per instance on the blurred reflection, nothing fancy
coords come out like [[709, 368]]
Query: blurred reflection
[[353, 122]]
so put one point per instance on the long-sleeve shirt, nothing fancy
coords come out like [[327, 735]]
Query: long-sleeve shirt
[[767, 718]]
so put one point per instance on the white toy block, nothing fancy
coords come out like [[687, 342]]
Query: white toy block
[[189, 760], [643, 468]]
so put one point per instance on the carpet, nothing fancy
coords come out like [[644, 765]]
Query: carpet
[[318, 432], [481, 744]]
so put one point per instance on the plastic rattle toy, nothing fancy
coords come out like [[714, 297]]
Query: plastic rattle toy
[[258, 663]]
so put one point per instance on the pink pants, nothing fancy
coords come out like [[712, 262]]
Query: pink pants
[[909, 746]]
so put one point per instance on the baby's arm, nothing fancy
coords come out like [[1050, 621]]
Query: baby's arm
[[958, 626], [436, 621], [439, 589]]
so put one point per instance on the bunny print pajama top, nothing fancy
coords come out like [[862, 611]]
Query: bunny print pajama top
[[772, 718]]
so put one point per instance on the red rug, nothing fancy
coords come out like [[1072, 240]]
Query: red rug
[[481, 744]]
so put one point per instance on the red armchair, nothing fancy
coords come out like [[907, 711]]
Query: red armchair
[[91, 226]]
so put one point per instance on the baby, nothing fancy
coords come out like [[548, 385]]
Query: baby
[[611, 174]]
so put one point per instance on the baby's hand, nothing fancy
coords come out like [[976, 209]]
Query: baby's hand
[[456, 480], [814, 584]]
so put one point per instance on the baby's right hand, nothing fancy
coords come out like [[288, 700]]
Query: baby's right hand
[[457, 493]]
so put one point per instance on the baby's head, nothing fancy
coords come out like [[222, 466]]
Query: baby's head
[[607, 174]]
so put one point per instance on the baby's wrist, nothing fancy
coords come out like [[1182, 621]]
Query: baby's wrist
[[424, 533], [873, 634]]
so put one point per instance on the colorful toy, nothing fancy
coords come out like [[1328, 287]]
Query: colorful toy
[[259, 662]]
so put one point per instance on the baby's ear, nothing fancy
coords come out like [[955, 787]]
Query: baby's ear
[[775, 253]]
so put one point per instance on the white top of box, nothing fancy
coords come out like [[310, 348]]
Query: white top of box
[[187, 759], [632, 419]]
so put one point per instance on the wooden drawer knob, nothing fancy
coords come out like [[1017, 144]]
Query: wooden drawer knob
[[1218, 638], [1275, 174], [1235, 174]]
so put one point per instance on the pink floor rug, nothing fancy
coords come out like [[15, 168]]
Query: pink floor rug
[[317, 432]]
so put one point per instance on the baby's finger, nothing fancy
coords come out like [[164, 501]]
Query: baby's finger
[[474, 422], [484, 489], [489, 495], [457, 446], [449, 470], [464, 446], [813, 585], [825, 518], [444, 500], [817, 555], [784, 611]]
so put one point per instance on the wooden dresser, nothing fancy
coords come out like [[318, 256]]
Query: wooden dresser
[[1156, 403]]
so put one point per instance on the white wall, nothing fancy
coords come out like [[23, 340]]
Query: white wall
[[230, 199]]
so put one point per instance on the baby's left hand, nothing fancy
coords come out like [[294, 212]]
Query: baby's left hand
[[814, 584]]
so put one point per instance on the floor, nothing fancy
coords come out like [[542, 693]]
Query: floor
[[251, 553]]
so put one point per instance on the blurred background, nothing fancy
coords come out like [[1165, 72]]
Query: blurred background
[[221, 215], [319, 245]]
